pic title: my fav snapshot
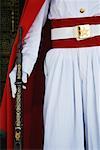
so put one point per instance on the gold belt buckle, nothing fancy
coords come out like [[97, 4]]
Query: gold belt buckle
[[82, 32]]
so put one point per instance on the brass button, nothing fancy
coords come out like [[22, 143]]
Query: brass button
[[82, 10]]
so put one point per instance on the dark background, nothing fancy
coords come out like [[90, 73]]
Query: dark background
[[10, 11]]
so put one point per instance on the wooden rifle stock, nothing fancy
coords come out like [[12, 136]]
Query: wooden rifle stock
[[18, 139]]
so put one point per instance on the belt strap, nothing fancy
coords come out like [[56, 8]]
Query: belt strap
[[64, 36], [69, 22], [71, 32], [73, 43]]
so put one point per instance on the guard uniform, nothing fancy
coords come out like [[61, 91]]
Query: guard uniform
[[71, 108], [72, 73]]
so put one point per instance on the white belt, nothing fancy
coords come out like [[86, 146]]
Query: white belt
[[79, 32]]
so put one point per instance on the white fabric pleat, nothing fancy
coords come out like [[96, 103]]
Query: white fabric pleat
[[72, 99]]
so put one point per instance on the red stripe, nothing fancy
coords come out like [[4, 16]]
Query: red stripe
[[73, 43], [57, 23]]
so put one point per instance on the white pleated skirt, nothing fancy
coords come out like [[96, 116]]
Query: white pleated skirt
[[72, 99]]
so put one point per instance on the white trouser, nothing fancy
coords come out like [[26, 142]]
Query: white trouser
[[72, 99]]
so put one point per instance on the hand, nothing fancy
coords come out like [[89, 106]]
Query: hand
[[12, 77]]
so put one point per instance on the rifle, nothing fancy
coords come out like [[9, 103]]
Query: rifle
[[18, 104]]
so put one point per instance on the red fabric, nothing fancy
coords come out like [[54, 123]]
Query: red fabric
[[32, 97], [72, 42], [57, 23]]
